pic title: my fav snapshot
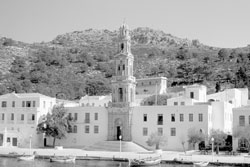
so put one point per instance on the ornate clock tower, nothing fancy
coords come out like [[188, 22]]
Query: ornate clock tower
[[123, 90]]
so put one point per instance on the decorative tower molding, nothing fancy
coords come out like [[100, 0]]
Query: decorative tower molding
[[123, 83], [123, 90]]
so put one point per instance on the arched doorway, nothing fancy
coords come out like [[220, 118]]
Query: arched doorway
[[118, 128]]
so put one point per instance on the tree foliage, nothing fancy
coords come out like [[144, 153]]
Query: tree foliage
[[88, 55], [195, 136], [56, 123], [156, 140], [219, 138]]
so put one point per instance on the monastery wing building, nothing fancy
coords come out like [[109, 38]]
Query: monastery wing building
[[102, 121]]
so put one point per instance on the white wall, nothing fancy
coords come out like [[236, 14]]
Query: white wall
[[82, 139], [24, 129], [200, 92], [237, 112], [174, 142]]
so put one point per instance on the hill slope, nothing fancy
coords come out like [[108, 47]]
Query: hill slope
[[80, 62]]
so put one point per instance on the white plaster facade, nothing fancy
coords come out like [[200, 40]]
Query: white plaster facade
[[151, 86], [241, 119], [102, 118], [19, 116]]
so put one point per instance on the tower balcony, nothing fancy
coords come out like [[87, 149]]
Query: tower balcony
[[123, 78]]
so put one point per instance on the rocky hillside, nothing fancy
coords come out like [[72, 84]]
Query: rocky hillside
[[80, 62]]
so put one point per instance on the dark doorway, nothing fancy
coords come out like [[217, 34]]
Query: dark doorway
[[119, 132], [14, 141], [44, 142]]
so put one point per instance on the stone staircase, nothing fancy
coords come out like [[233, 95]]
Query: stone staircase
[[126, 146]]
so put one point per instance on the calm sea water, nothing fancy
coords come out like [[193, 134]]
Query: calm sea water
[[12, 162]]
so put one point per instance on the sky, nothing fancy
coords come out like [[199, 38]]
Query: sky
[[219, 23]]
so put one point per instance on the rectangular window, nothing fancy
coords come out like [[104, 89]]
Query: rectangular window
[[87, 120], [249, 120], [33, 117], [183, 103], [160, 119], [242, 120], [4, 103], [28, 103], [172, 117], [96, 129], [12, 116], [75, 116], [86, 129], [200, 117], [70, 116], [13, 104], [2, 116], [145, 131], [96, 116], [191, 95], [23, 103], [145, 118], [173, 132], [181, 117], [34, 103], [160, 131], [22, 117], [191, 118], [44, 104], [175, 103], [75, 129]]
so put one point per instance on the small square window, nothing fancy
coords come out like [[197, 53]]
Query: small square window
[[75, 129], [75, 117], [96, 116], [86, 129], [175, 103], [22, 117], [181, 117], [173, 132], [12, 116], [191, 95], [4, 103], [242, 120], [160, 119], [200, 117], [145, 118], [96, 129], [172, 117], [191, 118], [145, 131], [87, 118]]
